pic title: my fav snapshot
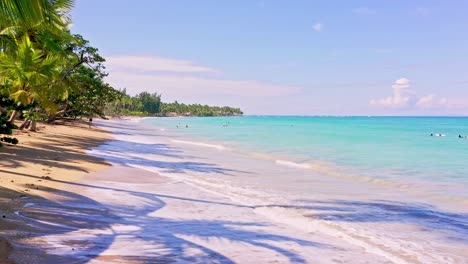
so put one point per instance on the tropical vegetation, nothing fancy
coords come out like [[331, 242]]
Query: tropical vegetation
[[150, 104], [46, 72]]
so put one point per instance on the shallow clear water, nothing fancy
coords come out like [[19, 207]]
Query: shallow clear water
[[384, 186], [380, 147]]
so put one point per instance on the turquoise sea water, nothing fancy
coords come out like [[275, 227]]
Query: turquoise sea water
[[382, 185], [380, 147]]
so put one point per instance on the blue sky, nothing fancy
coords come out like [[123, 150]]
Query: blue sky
[[287, 57]]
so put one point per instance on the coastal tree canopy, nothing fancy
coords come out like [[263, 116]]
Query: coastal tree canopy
[[46, 72], [146, 103]]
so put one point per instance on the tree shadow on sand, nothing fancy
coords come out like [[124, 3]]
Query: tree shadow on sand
[[453, 225], [79, 229], [51, 154], [127, 153]]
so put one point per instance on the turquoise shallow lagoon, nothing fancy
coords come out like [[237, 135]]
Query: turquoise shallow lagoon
[[380, 147]]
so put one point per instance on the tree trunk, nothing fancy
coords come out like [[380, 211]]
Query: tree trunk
[[13, 116], [24, 124], [33, 125], [54, 116], [28, 124]]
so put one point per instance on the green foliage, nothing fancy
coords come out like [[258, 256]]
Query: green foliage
[[6, 128], [28, 73], [198, 110], [44, 69], [29, 13], [150, 103], [46, 72], [90, 94], [144, 104]]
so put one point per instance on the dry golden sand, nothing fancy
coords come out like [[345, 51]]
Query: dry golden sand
[[37, 165]]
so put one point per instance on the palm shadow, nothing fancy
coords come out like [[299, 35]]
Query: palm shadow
[[82, 228], [126, 153], [453, 225]]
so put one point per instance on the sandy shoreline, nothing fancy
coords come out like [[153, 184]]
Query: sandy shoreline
[[32, 169], [90, 212], [165, 202]]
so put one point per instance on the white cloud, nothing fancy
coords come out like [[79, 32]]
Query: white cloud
[[183, 86], [431, 101], [401, 83], [153, 63], [363, 11], [181, 80], [402, 95], [318, 27]]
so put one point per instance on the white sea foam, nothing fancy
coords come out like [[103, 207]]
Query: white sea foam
[[261, 203], [20, 214], [201, 144], [293, 164], [395, 247]]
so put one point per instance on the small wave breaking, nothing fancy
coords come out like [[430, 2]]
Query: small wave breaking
[[201, 144], [293, 164]]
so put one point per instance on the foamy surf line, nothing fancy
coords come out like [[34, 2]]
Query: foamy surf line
[[259, 203], [200, 144], [383, 245], [293, 164]]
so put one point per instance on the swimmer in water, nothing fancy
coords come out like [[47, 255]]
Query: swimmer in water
[[460, 136]]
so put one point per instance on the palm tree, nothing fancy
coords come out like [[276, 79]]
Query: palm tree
[[30, 13], [32, 17], [42, 22], [28, 74]]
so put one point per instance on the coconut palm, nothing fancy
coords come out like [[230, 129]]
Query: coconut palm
[[30, 13], [32, 17], [44, 22], [29, 75]]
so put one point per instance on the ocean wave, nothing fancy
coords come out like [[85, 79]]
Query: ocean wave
[[293, 164], [350, 226], [201, 144], [280, 210]]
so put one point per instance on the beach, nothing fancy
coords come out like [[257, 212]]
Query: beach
[[34, 170], [128, 192], [233, 132]]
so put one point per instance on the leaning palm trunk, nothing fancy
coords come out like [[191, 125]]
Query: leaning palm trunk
[[54, 116], [25, 124], [13, 116]]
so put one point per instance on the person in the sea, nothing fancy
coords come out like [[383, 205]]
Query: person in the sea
[[186, 126], [460, 136]]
